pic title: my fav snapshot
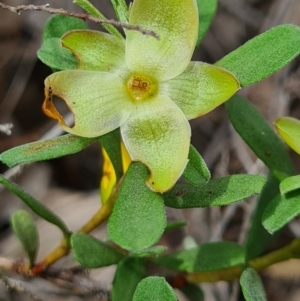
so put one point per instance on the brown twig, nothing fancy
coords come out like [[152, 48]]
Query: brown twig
[[75, 279], [47, 8], [78, 280], [14, 286]]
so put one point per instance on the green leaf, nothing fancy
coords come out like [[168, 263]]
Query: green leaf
[[121, 10], [175, 225], [217, 192], [93, 11], [281, 210], [35, 205], [58, 25], [207, 10], [263, 55], [256, 132], [206, 257], [55, 56], [45, 149], [112, 145], [150, 252], [154, 288], [130, 272], [193, 292], [26, 231], [52, 53], [258, 238], [93, 253], [196, 171], [252, 286], [138, 219], [290, 184]]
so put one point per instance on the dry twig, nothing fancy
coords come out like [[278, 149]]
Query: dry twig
[[16, 287], [47, 8], [77, 280], [6, 128]]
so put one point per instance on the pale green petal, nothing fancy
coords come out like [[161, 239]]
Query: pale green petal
[[95, 50], [98, 101], [176, 23], [158, 134], [200, 88], [289, 130]]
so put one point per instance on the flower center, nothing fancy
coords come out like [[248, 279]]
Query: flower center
[[140, 87]]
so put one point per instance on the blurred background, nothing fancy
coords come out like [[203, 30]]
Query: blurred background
[[69, 185]]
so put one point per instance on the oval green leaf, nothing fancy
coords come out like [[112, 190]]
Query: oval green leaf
[[263, 55], [26, 231], [154, 288], [58, 25], [289, 130], [55, 56], [258, 238], [217, 192], [35, 206], [290, 184], [256, 132], [206, 257], [207, 10], [130, 271], [281, 210], [45, 149], [196, 171], [93, 253], [252, 286], [138, 219], [52, 53]]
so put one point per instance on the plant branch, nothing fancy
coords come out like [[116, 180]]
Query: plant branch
[[77, 279], [47, 8], [17, 287], [63, 249], [290, 251]]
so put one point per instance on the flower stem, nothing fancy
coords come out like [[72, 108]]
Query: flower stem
[[57, 253], [100, 216], [63, 249]]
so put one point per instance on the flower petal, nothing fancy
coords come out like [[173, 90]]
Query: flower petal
[[98, 101], [109, 178], [289, 130], [176, 23], [95, 50], [200, 88], [158, 134]]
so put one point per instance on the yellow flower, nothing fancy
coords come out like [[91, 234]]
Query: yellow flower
[[147, 87]]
